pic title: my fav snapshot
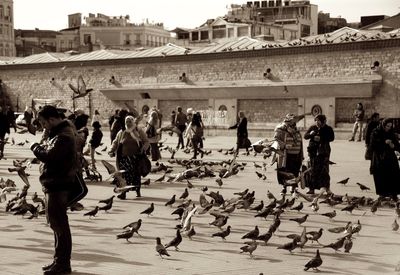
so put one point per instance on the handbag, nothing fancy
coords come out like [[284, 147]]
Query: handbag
[[78, 190], [143, 165]]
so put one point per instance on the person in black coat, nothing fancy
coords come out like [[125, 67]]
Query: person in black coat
[[4, 129], [95, 140], [319, 151], [60, 167], [384, 164], [242, 134], [372, 124]]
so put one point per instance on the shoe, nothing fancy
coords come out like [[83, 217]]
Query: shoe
[[58, 269], [352, 139], [359, 140], [48, 266], [311, 192], [122, 196], [202, 154], [138, 195]]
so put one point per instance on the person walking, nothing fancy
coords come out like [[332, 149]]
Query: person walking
[[197, 131], [358, 115], [372, 124], [290, 143], [319, 151], [242, 134], [96, 116], [60, 165], [4, 129], [153, 135], [384, 164], [95, 140], [129, 145], [180, 122]]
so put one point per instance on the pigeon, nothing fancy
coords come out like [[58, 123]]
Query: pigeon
[[219, 182], [355, 228], [191, 233], [265, 237], [243, 193], [185, 194], [300, 220], [330, 215], [344, 182], [179, 211], [171, 201], [107, 201], [92, 213], [258, 207], [175, 241], [160, 248], [149, 210], [223, 234], [336, 245], [253, 234], [348, 244], [21, 174], [249, 248], [270, 195], [80, 90], [289, 246], [117, 175], [298, 207], [126, 235], [395, 226], [349, 208], [189, 184], [314, 263], [146, 182], [363, 187], [315, 235], [219, 222], [134, 226], [340, 229], [107, 207]]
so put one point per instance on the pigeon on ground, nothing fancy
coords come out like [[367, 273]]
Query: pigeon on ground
[[300, 220], [134, 226], [223, 234], [249, 248], [363, 187], [106, 201], [314, 263], [348, 244], [265, 237], [336, 245], [298, 207], [175, 241], [126, 235], [149, 210], [219, 222], [191, 233], [330, 215], [253, 234], [315, 235], [395, 226], [171, 201], [179, 211], [349, 208], [92, 213], [289, 246], [344, 182], [107, 207], [185, 194], [160, 248]]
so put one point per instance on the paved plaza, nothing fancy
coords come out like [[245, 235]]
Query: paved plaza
[[27, 244]]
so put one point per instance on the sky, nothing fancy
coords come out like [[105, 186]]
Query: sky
[[53, 14]]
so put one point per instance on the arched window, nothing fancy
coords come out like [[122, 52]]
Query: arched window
[[9, 13]]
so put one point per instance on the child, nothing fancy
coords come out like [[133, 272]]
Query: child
[[95, 141]]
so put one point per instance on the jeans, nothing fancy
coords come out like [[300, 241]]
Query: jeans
[[56, 209], [358, 124]]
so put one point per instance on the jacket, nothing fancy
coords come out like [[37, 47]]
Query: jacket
[[59, 158], [97, 136]]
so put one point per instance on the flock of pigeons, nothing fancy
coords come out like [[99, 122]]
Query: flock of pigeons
[[269, 208]]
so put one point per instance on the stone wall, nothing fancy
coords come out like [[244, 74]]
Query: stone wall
[[25, 82]]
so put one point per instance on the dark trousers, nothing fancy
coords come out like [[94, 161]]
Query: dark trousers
[[56, 209], [180, 136], [155, 152]]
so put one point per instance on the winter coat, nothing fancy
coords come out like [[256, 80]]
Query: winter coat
[[59, 158]]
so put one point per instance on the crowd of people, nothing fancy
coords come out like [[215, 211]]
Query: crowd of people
[[134, 137]]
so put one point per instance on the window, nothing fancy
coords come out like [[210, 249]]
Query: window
[[243, 31], [87, 39], [204, 35], [1, 12], [1, 28], [70, 44], [195, 36], [9, 13], [231, 32]]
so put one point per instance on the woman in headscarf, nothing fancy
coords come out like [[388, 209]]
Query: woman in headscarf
[[319, 151], [242, 134], [384, 163], [290, 143], [197, 132], [129, 145]]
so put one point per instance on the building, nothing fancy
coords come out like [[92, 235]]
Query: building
[[385, 25], [7, 45], [28, 42], [327, 73], [326, 23], [109, 32]]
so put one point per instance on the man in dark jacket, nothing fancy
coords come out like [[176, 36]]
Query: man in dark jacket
[[60, 165], [4, 129], [180, 122]]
